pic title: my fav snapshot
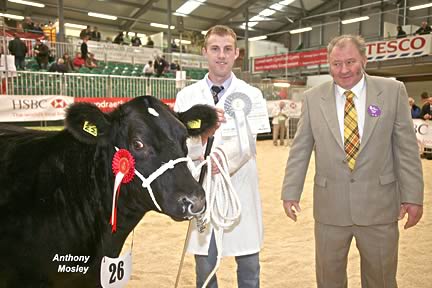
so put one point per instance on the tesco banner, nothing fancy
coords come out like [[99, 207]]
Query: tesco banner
[[408, 47], [33, 108], [414, 46]]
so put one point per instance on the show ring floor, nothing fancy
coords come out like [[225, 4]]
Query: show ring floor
[[287, 258]]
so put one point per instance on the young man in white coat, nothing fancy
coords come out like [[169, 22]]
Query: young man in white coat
[[245, 239]]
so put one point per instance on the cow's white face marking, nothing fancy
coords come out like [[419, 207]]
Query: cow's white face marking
[[153, 112]]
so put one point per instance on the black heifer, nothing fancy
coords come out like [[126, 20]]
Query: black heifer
[[56, 188]]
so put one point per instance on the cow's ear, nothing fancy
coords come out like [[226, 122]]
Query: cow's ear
[[199, 119], [86, 122]]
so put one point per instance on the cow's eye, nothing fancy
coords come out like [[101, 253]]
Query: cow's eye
[[138, 145]]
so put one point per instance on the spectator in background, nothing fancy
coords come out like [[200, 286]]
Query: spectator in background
[[78, 61], [136, 41], [415, 110], [18, 48], [126, 39], [424, 98], [279, 115], [148, 69], [42, 52], [119, 38], [426, 112], [59, 66], [95, 34], [175, 66], [86, 32], [91, 62], [424, 29], [400, 32], [28, 25], [174, 46], [84, 48], [68, 63], [150, 42], [160, 64]]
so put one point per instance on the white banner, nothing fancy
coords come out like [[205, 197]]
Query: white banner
[[407, 47], [292, 108], [424, 133], [33, 108]]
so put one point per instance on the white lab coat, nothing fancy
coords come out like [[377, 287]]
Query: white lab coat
[[246, 237]]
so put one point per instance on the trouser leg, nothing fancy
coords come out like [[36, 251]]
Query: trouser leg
[[282, 132], [332, 245], [378, 247], [248, 271], [204, 265], [275, 133]]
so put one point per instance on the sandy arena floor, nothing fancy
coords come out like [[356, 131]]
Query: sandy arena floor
[[287, 259]]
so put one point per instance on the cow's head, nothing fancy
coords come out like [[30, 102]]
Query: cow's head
[[154, 135]]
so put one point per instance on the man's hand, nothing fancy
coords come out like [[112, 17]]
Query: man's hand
[[427, 117], [290, 212], [221, 119], [414, 211]]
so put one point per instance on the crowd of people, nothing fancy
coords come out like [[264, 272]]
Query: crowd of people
[[422, 30], [424, 112]]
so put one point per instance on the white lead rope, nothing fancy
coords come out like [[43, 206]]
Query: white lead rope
[[223, 205]]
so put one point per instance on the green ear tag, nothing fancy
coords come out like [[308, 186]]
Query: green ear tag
[[194, 124], [90, 128]]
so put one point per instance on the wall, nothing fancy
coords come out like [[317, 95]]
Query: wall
[[263, 47]]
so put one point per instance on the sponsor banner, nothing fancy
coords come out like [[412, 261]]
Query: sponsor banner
[[33, 108], [104, 104], [424, 133], [414, 46], [292, 108], [109, 104], [290, 60]]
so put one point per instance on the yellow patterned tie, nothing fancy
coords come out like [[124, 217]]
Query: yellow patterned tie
[[351, 131]]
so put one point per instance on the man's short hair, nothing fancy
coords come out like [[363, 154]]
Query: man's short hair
[[341, 40], [424, 95], [220, 30]]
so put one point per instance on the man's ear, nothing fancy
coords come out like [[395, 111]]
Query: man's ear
[[86, 122], [199, 119]]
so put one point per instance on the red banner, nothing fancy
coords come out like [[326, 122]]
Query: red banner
[[109, 104], [291, 60]]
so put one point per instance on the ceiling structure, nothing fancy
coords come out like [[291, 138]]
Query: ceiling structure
[[136, 15]]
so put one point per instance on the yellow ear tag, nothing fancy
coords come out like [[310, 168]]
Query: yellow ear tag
[[90, 128], [194, 124]]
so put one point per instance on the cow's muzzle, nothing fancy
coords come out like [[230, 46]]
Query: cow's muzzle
[[193, 206]]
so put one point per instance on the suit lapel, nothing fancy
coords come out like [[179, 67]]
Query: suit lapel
[[328, 109], [373, 98]]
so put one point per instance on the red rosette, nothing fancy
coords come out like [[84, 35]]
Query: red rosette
[[124, 162]]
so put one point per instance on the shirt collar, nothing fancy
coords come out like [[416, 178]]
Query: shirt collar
[[225, 84], [357, 89]]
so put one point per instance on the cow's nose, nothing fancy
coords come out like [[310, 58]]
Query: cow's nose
[[193, 206]]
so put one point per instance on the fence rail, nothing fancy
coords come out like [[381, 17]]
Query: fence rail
[[89, 85]]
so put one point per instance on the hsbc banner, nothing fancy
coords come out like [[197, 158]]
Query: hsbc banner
[[414, 46], [33, 108]]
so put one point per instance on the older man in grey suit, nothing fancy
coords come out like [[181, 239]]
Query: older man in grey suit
[[368, 171]]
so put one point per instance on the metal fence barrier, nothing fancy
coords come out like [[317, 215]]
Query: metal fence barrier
[[89, 85]]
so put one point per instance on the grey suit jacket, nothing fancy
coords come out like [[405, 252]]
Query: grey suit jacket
[[388, 168]]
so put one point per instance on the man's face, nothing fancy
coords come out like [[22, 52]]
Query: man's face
[[430, 100], [346, 65], [221, 54]]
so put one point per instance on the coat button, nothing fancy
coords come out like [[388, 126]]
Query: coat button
[[352, 180]]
